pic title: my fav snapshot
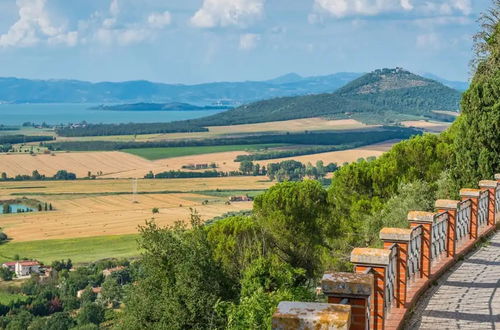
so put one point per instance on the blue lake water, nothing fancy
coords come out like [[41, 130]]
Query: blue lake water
[[17, 208], [58, 113]]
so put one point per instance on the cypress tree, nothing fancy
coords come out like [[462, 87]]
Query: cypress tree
[[477, 131]]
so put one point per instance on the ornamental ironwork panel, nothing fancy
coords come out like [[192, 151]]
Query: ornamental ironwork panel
[[414, 252], [483, 205], [464, 213], [390, 279], [439, 235]]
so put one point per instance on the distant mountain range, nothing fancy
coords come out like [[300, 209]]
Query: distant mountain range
[[382, 96], [15, 90]]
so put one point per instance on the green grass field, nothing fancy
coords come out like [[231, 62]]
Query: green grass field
[[6, 298], [161, 153], [79, 250]]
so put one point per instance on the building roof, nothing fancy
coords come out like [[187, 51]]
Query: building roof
[[29, 263], [25, 263]]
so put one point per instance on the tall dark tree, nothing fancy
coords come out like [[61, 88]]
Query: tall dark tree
[[477, 136]]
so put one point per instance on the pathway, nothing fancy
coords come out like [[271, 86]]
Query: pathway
[[466, 297]]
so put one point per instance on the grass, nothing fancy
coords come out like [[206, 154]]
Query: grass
[[162, 153], [6, 298], [79, 250]]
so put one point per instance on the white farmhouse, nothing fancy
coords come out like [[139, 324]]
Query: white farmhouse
[[23, 268]]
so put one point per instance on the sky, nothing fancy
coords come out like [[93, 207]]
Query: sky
[[195, 41]]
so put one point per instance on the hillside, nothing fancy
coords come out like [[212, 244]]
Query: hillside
[[381, 96]]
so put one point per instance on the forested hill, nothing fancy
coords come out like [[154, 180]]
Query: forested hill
[[376, 94]]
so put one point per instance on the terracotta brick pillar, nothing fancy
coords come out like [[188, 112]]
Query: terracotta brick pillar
[[305, 315], [450, 206], [353, 289], [401, 237], [376, 260], [473, 195], [491, 186], [425, 219]]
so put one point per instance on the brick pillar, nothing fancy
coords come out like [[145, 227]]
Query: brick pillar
[[377, 260], [473, 195], [425, 219], [491, 186], [401, 237], [353, 289], [450, 206], [304, 315]]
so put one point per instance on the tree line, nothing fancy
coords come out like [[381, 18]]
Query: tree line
[[36, 176], [20, 138], [86, 129]]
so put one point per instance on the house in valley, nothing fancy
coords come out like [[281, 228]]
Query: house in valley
[[23, 267]]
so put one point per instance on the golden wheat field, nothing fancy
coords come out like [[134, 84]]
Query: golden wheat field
[[117, 164], [340, 157], [107, 207]]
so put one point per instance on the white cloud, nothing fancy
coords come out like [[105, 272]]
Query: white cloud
[[249, 41], [34, 25], [160, 20], [223, 13], [344, 8], [109, 26]]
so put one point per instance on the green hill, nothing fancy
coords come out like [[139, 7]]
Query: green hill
[[383, 96]]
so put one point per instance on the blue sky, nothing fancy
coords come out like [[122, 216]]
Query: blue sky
[[193, 41]]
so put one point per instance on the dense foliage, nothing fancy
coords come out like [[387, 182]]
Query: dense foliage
[[51, 302], [477, 141]]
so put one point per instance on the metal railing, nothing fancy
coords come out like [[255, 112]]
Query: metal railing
[[483, 205], [439, 235], [368, 313], [390, 279], [497, 200], [463, 221], [414, 253]]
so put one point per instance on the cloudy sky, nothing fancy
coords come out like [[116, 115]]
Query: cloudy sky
[[192, 41]]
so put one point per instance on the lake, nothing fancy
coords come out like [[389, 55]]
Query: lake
[[17, 208], [57, 113]]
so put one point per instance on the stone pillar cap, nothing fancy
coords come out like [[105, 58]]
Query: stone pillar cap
[[421, 216], [371, 256], [497, 176], [446, 204], [474, 193], [395, 234], [488, 184], [348, 284], [304, 315]]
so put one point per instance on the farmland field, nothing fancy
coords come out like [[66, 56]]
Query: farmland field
[[107, 207], [77, 249], [163, 153]]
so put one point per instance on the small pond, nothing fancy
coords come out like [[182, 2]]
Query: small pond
[[17, 208]]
